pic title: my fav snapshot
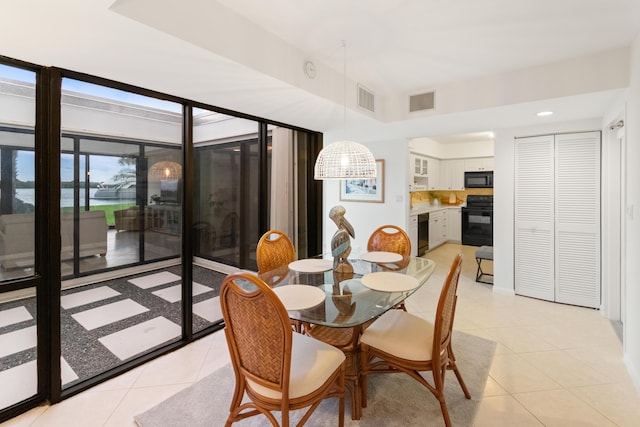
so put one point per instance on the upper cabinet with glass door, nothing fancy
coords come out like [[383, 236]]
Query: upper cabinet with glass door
[[425, 172], [420, 165]]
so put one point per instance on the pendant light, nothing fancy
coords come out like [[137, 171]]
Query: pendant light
[[165, 171], [345, 159]]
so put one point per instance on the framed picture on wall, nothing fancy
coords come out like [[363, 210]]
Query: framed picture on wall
[[364, 190]]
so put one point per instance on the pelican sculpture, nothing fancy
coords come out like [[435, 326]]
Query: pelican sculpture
[[341, 240]]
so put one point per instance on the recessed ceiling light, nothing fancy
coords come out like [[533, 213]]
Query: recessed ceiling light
[[545, 113]]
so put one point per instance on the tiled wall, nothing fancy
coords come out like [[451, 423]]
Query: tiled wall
[[444, 196]]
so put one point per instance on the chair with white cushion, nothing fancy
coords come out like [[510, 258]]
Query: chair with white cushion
[[391, 238], [277, 369], [401, 342]]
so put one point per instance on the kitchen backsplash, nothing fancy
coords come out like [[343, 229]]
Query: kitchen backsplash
[[446, 196]]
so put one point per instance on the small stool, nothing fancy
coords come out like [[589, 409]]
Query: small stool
[[484, 252]]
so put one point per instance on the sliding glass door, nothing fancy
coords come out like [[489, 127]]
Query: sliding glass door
[[120, 205], [18, 273], [227, 204], [120, 215]]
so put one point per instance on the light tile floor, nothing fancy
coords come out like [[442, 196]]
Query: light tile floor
[[554, 365]]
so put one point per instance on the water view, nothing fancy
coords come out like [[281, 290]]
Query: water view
[[27, 195]]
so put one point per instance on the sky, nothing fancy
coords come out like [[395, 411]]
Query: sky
[[93, 89], [17, 74]]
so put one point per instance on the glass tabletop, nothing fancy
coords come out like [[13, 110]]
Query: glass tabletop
[[348, 301]]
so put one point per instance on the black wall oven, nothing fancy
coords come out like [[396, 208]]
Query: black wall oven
[[477, 221]]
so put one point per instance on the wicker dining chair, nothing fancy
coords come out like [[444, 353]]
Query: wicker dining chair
[[277, 369], [401, 342], [391, 238], [274, 250]]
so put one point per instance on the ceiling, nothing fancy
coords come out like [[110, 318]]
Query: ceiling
[[248, 55], [407, 46]]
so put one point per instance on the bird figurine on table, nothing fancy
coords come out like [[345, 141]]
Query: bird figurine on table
[[341, 240]]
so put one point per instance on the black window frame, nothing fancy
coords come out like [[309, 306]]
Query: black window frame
[[47, 272]]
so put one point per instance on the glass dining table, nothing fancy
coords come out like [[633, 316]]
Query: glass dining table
[[335, 306]]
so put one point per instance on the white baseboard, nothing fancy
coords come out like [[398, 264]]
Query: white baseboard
[[633, 372], [503, 291]]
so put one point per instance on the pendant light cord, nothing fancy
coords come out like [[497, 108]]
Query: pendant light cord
[[344, 90], [345, 159]]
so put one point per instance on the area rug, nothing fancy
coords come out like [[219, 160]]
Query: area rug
[[394, 400]]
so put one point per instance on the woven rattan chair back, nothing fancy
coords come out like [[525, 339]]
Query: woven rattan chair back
[[258, 330], [261, 344], [390, 238], [443, 324], [275, 249]]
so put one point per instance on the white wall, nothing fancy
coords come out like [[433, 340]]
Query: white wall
[[461, 150], [100, 122], [366, 217], [454, 150], [584, 74], [426, 146], [632, 131]]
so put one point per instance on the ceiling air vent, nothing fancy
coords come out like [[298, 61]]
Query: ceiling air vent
[[422, 101], [366, 99]]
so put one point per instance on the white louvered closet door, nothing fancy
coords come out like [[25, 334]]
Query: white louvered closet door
[[534, 221], [577, 219]]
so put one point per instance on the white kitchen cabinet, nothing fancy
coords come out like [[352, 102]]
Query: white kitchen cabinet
[[457, 175], [425, 171], [413, 234], [434, 174], [444, 175], [451, 174], [415, 164], [419, 165], [478, 164], [454, 224], [437, 228]]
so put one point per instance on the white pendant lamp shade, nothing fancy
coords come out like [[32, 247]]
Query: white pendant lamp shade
[[345, 160], [165, 170]]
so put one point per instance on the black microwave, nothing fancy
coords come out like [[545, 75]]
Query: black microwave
[[482, 179]]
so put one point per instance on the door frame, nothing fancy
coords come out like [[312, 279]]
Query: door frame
[[614, 221]]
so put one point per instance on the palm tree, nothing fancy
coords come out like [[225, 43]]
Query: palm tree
[[128, 172]]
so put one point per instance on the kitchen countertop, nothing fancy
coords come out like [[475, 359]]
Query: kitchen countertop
[[421, 208]]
